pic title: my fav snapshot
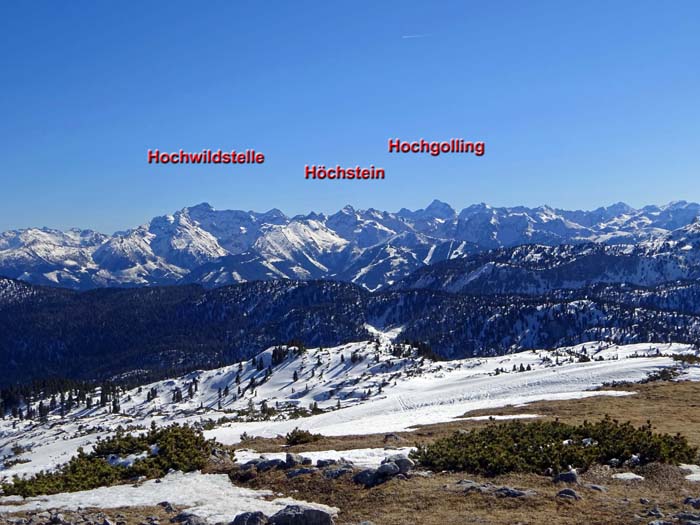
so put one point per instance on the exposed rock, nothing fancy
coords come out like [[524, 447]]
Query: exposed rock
[[467, 486], [598, 488], [508, 492], [298, 515], [291, 474], [323, 463], [335, 473], [166, 506], [568, 494], [614, 462], [566, 477], [221, 457], [404, 463], [694, 502], [388, 469], [655, 512], [687, 516], [392, 437], [253, 463], [633, 461], [270, 464], [250, 518], [367, 477], [185, 518], [292, 460]]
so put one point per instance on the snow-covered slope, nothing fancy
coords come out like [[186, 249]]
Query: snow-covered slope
[[365, 387], [539, 269]]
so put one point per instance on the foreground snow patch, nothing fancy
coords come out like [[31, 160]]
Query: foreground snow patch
[[210, 496], [694, 472], [360, 457]]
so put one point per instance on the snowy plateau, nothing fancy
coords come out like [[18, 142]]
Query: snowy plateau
[[376, 386]]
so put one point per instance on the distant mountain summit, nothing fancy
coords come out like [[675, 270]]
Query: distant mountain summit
[[371, 248]]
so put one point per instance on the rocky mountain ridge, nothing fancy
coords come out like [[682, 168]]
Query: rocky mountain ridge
[[371, 248]]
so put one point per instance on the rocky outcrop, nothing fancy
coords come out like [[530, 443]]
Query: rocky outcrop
[[298, 515]]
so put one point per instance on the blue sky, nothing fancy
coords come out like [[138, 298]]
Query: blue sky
[[581, 104]]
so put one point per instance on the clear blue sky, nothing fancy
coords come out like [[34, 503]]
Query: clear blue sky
[[581, 104]]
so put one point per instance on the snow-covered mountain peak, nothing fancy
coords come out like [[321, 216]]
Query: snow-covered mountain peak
[[440, 210], [370, 247]]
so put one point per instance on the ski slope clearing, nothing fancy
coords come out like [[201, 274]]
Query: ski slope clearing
[[357, 388], [211, 497]]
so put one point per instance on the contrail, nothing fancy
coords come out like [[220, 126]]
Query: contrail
[[421, 35]]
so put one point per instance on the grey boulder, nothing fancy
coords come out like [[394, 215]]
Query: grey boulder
[[335, 473], [566, 477], [298, 515], [405, 464], [291, 474], [568, 494], [293, 460], [250, 518], [185, 518], [508, 492], [693, 502], [367, 477], [269, 464], [388, 469]]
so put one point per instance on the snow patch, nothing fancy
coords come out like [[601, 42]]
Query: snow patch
[[211, 497], [360, 457]]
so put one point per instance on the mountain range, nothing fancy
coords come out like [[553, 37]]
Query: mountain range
[[371, 248]]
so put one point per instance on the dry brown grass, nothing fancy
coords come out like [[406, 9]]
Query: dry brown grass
[[433, 501], [670, 406]]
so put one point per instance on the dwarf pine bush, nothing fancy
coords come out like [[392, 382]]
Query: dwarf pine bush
[[538, 446], [175, 447], [299, 437]]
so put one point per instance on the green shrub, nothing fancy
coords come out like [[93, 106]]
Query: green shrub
[[178, 448], [299, 437], [538, 446]]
